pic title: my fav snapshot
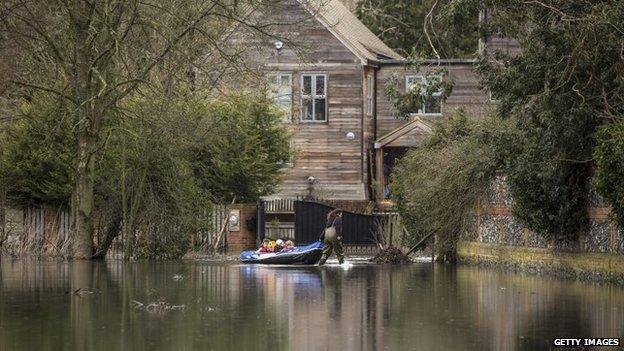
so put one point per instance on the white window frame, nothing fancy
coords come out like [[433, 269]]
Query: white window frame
[[423, 83], [314, 97], [369, 96], [275, 92], [291, 157]]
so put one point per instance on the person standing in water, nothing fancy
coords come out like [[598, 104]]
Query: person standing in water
[[332, 237]]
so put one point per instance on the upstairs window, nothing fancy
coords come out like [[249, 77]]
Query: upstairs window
[[280, 88], [314, 97], [432, 101]]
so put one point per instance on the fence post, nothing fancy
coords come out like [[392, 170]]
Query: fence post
[[390, 220]]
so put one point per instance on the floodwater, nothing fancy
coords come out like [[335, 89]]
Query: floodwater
[[89, 306]]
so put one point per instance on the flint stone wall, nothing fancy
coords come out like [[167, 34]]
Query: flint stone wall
[[495, 224]]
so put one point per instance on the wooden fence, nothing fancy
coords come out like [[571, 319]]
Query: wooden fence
[[280, 230], [218, 218], [47, 231], [276, 206]]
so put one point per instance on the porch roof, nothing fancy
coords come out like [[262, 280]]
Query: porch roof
[[407, 135]]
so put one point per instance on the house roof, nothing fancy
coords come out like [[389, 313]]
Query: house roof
[[350, 30], [407, 135]]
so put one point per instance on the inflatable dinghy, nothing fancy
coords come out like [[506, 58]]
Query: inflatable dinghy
[[309, 254]]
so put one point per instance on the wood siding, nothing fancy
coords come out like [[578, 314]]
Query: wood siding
[[341, 167], [321, 149], [507, 46], [466, 94]]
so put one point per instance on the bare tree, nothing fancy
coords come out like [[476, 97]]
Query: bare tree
[[94, 54]]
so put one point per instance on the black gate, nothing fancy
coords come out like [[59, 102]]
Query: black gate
[[310, 218]]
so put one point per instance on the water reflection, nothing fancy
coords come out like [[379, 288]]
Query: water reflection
[[44, 306]]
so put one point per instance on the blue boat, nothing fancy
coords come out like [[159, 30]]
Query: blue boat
[[309, 254]]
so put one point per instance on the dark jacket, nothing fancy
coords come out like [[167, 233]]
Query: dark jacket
[[336, 222]]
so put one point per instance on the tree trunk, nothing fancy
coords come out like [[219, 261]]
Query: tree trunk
[[446, 247], [127, 239], [82, 200], [111, 233], [87, 129]]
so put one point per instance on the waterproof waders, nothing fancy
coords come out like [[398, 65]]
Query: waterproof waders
[[332, 242]]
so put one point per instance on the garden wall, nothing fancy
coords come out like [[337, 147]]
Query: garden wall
[[499, 238]]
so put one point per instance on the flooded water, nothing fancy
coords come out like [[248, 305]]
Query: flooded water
[[210, 306]]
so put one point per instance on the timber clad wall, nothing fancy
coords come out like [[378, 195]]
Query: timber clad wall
[[504, 45], [313, 43], [321, 148], [466, 93]]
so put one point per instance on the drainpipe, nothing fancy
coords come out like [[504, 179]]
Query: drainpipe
[[375, 103], [363, 157], [373, 156]]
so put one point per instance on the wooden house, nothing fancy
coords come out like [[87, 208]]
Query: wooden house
[[345, 133]]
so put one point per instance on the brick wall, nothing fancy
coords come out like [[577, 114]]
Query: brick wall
[[243, 238]]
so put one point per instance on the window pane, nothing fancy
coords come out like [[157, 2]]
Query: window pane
[[271, 86], [319, 109], [320, 85], [284, 97], [307, 85], [409, 83], [285, 78], [306, 109], [433, 104], [284, 87], [286, 106], [414, 82], [284, 101]]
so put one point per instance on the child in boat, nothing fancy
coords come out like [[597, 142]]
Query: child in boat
[[264, 247], [279, 245], [288, 245]]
